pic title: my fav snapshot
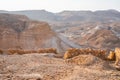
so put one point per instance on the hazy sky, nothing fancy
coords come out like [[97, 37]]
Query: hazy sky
[[59, 5]]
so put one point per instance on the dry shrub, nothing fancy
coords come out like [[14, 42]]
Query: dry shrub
[[1, 51], [99, 53], [72, 52], [12, 51], [47, 50], [111, 55], [96, 52], [117, 55], [30, 51], [20, 51]]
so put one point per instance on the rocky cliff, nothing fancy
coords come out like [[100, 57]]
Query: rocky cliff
[[17, 31]]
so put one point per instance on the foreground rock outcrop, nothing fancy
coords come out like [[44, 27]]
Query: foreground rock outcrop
[[46, 67]]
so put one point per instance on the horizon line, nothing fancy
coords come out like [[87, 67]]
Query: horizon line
[[61, 10]]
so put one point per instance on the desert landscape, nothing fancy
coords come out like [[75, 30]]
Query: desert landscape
[[69, 45], [53, 66]]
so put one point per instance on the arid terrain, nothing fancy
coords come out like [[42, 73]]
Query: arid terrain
[[34, 44], [48, 67], [81, 27]]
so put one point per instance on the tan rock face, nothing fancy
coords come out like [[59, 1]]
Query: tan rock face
[[36, 35], [18, 31]]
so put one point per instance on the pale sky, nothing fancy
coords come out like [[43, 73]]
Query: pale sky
[[59, 5]]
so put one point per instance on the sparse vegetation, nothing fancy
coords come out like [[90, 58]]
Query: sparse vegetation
[[111, 55], [75, 52], [22, 51], [1, 51], [47, 50], [12, 51], [117, 55]]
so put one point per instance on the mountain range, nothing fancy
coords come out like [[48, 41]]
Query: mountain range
[[70, 16], [98, 29]]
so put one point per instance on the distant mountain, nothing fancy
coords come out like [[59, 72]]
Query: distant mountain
[[70, 16], [89, 16], [40, 15], [3, 11]]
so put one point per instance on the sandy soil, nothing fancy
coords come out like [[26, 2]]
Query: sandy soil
[[47, 67]]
